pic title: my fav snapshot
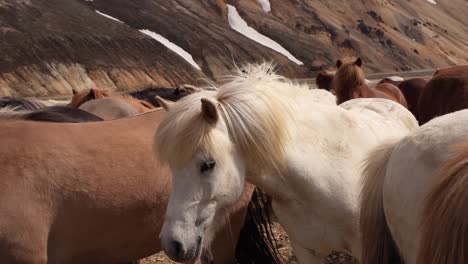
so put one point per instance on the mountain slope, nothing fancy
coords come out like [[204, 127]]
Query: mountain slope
[[49, 47]]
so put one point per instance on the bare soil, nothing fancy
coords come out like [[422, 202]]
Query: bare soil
[[284, 247]]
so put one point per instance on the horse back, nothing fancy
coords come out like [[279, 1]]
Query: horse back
[[446, 92], [390, 91]]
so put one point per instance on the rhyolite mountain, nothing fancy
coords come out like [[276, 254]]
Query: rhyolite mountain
[[48, 47]]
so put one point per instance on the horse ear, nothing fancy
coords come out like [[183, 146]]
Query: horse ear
[[74, 92], [192, 89], [339, 63], [209, 110], [146, 104], [358, 62], [166, 104]]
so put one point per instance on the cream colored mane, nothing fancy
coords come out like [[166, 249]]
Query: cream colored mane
[[254, 106]]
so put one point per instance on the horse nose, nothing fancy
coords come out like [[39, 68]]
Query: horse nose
[[176, 249]]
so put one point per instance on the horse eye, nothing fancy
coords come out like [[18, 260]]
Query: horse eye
[[207, 165]]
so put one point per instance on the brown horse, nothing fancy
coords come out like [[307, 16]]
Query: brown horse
[[58, 114], [446, 92], [411, 89], [324, 79], [349, 83], [82, 97], [88, 193], [172, 94]]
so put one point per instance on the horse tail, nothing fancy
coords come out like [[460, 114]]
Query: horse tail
[[445, 219], [256, 243], [377, 243], [10, 113]]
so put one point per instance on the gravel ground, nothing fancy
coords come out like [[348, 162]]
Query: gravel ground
[[284, 247]]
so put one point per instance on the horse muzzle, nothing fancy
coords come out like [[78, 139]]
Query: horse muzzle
[[180, 252]]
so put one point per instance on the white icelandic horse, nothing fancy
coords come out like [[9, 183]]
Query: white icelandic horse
[[399, 178], [261, 128]]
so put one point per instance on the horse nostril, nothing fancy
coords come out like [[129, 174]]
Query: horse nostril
[[199, 240], [176, 248]]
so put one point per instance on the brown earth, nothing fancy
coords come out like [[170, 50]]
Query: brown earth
[[284, 248], [48, 47]]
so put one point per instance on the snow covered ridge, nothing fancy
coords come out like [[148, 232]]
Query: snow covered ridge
[[110, 17], [265, 4], [238, 24], [432, 2], [181, 52]]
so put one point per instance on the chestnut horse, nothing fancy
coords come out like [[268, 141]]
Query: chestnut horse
[[411, 89], [89, 193], [349, 83], [82, 97], [446, 92]]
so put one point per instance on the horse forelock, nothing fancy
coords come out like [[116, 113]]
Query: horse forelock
[[255, 115], [347, 78]]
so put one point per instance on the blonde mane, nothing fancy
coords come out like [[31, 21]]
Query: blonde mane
[[444, 221], [253, 110]]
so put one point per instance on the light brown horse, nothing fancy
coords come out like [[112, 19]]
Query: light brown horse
[[349, 83], [82, 97], [109, 108], [446, 92], [88, 193]]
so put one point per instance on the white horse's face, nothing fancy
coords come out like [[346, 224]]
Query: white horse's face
[[202, 188]]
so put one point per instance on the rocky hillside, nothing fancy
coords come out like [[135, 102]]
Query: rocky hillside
[[48, 47]]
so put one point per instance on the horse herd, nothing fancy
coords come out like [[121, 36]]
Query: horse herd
[[353, 173]]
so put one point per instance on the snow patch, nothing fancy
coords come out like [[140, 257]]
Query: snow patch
[[432, 2], [238, 24], [110, 17], [181, 52], [265, 4]]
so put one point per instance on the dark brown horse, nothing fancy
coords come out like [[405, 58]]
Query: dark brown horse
[[57, 114], [411, 89], [19, 104], [324, 79], [171, 94], [446, 92], [349, 83]]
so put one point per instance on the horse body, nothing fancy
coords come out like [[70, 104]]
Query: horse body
[[87, 193], [79, 98], [20, 104], [109, 108], [446, 92], [398, 181], [306, 156], [59, 114]]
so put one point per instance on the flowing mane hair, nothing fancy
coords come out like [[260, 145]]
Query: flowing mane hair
[[444, 233], [348, 76], [252, 106]]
